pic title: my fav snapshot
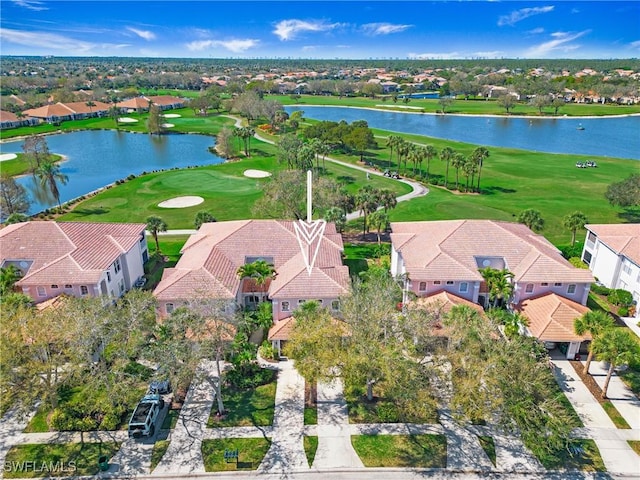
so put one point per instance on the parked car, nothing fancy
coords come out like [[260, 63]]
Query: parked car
[[143, 419], [160, 386]]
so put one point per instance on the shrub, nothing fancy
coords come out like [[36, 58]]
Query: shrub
[[578, 263], [388, 413], [569, 251], [600, 289], [620, 297], [249, 375], [623, 312], [268, 351]]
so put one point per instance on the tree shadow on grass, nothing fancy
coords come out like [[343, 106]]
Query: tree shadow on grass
[[346, 179], [630, 215], [494, 190], [90, 211]]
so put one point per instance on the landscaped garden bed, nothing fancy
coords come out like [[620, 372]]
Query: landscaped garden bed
[[417, 451], [57, 460], [251, 451]]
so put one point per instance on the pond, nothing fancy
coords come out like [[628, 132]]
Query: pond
[[96, 158], [604, 136]]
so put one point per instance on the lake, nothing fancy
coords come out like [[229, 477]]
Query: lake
[[617, 137], [97, 158]]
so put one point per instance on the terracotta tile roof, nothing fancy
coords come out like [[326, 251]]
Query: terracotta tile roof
[[551, 317], [622, 238], [82, 107], [7, 116], [47, 111], [220, 248], [448, 250], [67, 252], [444, 301], [134, 103], [165, 100], [282, 329]]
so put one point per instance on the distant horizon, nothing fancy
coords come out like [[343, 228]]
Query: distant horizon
[[322, 30]]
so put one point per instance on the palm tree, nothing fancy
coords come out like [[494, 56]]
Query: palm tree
[[203, 217], [429, 152], [392, 142], [367, 202], [155, 225], [446, 154], [615, 346], [403, 148], [532, 219], [49, 175], [388, 199], [9, 275], [499, 284], [90, 104], [259, 270], [480, 154], [380, 221], [469, 169], [457, 162], [573, 222], [595, 323]]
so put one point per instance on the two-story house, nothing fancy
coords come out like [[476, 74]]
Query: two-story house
[[612, 252], [447, 256], [208, 267], [74, 258]]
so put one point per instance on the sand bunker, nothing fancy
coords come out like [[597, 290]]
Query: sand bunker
[[181, 202], [7, 156], [171, 115], [127, 120], [256, 174], [167, 125]]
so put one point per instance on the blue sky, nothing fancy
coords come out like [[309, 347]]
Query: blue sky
[[320, 29]]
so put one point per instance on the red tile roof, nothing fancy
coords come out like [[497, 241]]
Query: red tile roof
[[551, 317], [622, 238], [67, 252], [218, 249], [448, 250], [7, 116], [48, 111], [444, 301]]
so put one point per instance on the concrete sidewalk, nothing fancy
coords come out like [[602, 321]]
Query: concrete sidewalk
[[286, 452], [334, 433], [464, 451]]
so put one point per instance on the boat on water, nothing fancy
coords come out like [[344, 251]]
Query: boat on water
[[580, 127]]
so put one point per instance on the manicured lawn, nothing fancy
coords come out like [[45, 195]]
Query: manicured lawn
[[582, 455], [159, 449], [631, 378], [489, 447], [635, 445], [617, 419], [66, 459], [310, 448], [418, 451], [310, 415], [251, 451], [246, 407]]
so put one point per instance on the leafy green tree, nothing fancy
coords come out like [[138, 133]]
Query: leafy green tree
[[380, 221], [49, 176], [203, 217], [532, 219], [508, 102], [154, 121], [13, 196], [616, 346], [360, 139], [156, 225], [336, 215], [9, 275], [625, 193], [595, 323], [573, 222], [16, 218], [445, 102]]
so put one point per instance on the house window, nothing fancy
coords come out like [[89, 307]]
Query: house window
[[116, 265], [587, 257], [449, 282], [121, 286], [42, 292], [285, 306], [544, 284], [68, 287], [300, 302], [464, 287], [55, 287], [169, 307], [84, 290], [571, 289], [528, 288], [626, 268], [108, 276], [422, 286], [592, 237], [436, 282], [557, 284], [335, 305]]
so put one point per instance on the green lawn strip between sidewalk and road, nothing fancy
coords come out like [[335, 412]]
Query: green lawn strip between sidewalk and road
[[251, 451], [415, 451], [58, 460], [582, 454], [250, 407], [489, 446], [615, 416], [635, 445], [310, 444], [159, 449]]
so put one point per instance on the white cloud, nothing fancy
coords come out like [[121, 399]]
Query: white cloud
[[45, 40], [31, 5], [383, 28], [289, 29], [536, 31], [635, 44], [146, 34], [517, 15], [437, 56], [236, 46], [559, 43]]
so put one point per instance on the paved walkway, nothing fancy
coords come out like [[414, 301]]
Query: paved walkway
[[286, 452], [463, 447], [618, 393], [334, 433], [617, 455]]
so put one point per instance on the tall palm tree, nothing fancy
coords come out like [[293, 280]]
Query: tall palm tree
[[260, 271], [499, 284], [615, 346], [154, 225], [388, 199], [532, 219], [380, 221], [573, 222], [458, 162], [403, 149], [90, 104], [392, 142], [50, 175], [9, 275], [367, 201], [469, 169], [595, 323], [480, 154], [446, 154], [429, 152]]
